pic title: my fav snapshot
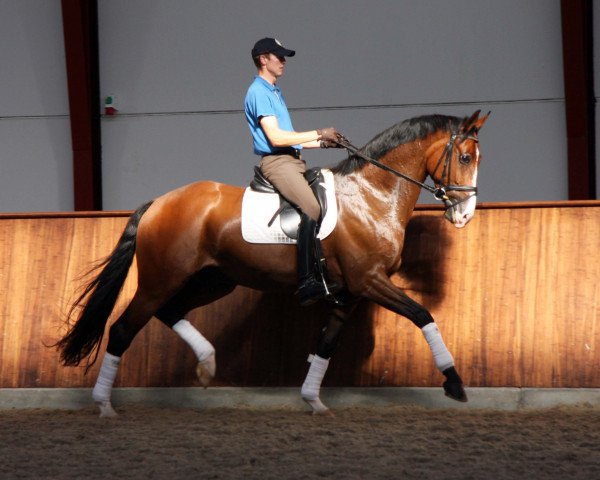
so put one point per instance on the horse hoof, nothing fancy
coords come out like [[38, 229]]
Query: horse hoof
[[455, 391], [318, 408], [206, 369], [106, 410], [325, 413]]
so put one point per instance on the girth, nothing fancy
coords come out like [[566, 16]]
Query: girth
[[289, 214]]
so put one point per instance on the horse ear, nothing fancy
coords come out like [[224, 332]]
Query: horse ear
[[474, 123], [480, 121]]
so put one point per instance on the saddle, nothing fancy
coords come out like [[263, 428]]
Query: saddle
[[289, 214], [289, 218]]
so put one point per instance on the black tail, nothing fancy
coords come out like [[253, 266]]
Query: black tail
[[99, 297]]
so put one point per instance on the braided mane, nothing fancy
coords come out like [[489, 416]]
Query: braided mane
[[404, 132]]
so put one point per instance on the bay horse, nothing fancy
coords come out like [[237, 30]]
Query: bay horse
[[190, 252]]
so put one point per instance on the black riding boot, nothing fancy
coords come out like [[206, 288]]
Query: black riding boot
[[310, 288]]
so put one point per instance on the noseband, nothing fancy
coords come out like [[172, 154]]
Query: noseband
[[439, 191]]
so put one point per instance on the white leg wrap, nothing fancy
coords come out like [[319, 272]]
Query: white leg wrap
[[312, 384], [442, 357], [106, 378], [200, 345]]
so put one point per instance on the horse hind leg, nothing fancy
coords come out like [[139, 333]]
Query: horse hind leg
[[121, 334], [201, 289], [203, 349]]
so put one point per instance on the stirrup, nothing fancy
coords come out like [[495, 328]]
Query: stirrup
[[310, 291], [320, 291]]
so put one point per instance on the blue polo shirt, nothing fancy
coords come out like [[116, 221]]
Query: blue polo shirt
[[263, 100]]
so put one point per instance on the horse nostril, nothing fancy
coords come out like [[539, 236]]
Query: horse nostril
[[467, 217]]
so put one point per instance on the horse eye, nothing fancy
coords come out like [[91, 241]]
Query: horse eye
[[465, 159]]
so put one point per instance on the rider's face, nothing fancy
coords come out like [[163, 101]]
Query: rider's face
[[274, 64]]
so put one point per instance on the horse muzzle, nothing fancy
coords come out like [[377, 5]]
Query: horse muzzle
[[459, 212]]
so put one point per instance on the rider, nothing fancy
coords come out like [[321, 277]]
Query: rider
[[280, 148]]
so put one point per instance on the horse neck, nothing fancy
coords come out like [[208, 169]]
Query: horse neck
[[397, 193], [387, 195], [414, 160]]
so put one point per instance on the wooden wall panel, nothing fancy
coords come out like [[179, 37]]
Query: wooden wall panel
[[516, 295], [40, 262]]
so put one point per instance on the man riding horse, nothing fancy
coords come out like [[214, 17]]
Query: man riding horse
[[279, 147]]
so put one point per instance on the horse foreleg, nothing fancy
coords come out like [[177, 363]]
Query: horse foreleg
[[386, 294], [453, 386], [319, 362], [311, 388]]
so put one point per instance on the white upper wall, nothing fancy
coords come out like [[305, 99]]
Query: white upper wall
[[195, 56], [36, 169], [180, 70], [360, 66], [33, 75]]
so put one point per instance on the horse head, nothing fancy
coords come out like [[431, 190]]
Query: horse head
[[454, 170]]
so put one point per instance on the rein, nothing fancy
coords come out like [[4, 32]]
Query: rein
[[439, 191]]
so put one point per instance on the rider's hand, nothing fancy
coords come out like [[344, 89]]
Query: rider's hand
[[328, 134], [329, 144]]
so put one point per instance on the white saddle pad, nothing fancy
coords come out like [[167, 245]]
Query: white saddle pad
[[258, 208]]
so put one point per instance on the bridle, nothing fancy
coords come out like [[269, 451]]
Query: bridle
[[440, 189]]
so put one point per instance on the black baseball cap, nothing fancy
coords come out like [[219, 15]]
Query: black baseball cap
[[271, 45]]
